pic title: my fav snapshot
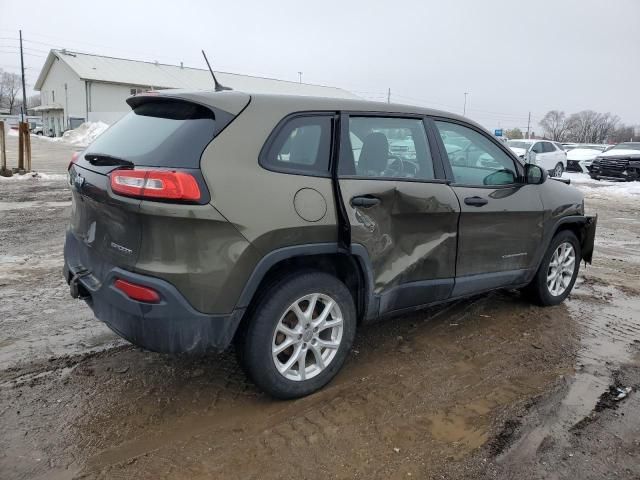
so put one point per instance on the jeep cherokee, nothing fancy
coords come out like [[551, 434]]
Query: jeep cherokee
[[281, 223]]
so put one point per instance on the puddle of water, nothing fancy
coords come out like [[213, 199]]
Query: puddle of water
[[609, 328], [458, 429]]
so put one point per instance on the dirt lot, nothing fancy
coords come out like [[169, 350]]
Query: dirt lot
[[489, 387]]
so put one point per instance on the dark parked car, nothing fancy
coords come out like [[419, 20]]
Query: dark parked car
[[620, 163], [282, 223]]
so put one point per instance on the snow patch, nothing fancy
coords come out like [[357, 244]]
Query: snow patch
[[47, 177], [84, 134], [602, 188], [81, 136]]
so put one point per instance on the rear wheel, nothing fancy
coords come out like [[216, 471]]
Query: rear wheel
[[300, 334], [557, 172], [558, 271]]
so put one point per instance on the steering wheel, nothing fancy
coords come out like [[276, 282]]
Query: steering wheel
[[395, 168]]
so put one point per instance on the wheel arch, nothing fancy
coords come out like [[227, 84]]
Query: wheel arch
[[584, 229], [350, 267]]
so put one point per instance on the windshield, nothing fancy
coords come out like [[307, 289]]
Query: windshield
[[518, 144], [627, 146], [600, 148]]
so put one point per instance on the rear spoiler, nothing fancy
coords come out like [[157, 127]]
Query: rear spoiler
[[232, 103]]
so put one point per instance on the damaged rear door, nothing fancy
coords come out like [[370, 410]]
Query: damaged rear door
[[399, 208]]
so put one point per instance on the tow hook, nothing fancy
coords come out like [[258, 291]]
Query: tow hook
[[76, 289]]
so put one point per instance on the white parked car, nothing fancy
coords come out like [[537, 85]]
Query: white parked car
[[580, 158], [544, 153]]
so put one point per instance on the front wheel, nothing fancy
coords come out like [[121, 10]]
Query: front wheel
[[558, 270], [300, 334]]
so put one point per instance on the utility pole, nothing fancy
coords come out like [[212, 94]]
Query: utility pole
[[464, 109], [528, 125], [299, 77], [389, 95], [24, 90]]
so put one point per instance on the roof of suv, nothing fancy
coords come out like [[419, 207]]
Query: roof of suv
[[234, 101]]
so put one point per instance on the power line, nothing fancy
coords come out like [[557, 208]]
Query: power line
[[25, 48], [26, 53]]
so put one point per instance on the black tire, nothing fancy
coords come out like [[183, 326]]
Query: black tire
[[538, 290], [258, 338]]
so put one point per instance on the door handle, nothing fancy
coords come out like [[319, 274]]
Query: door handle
[[476, 201], [364, 201]]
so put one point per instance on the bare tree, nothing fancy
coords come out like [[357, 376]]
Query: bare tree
[[514, 134], [555, 126], [2, 94], [34, 101], [623, 133], [591, 127], [10, 87]]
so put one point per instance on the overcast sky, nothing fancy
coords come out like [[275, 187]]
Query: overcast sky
[[512, 57]]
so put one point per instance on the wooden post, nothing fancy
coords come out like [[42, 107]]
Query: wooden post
[[20, 148], [27, 147], [3, 150], [24, 147]]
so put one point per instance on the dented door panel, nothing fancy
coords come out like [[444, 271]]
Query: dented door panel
[[410, 234]]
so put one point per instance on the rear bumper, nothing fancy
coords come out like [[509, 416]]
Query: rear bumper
[[170, 326]]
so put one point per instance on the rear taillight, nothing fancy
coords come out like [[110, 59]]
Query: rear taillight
[[74, 159], [137, 292], [155, 184]]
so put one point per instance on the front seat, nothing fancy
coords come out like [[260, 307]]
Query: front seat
[[374, 156]]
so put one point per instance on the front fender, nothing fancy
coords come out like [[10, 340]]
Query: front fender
[[587, 237], [585, 227]]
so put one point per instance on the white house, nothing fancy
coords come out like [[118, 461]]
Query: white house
[[75, 87]]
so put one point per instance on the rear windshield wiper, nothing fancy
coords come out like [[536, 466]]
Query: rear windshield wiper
[[105, 160]]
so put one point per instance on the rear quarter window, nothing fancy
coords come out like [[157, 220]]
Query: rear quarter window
[[301, 145], [160, 133]]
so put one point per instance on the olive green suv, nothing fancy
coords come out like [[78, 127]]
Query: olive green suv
[[282, 223]]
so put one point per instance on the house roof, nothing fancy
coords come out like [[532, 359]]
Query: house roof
[[157, 75]]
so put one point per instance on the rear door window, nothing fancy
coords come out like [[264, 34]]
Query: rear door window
[[162, 133], [301, 146]]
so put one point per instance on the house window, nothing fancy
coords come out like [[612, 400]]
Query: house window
[[53, 96], [136, 91]]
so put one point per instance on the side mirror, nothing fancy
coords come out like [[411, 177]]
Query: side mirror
[[534, 175]]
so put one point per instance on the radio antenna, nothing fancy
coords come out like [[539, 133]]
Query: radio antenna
[[217, 85]]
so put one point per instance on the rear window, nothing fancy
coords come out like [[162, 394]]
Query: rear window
[[163, 133]]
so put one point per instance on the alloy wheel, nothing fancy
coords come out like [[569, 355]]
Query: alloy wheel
[[558, 171], [307, 337], [561, 269]]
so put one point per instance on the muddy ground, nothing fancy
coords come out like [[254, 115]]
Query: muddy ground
[[489, 387]]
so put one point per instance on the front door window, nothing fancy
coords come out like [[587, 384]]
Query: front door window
[[474, 159]]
